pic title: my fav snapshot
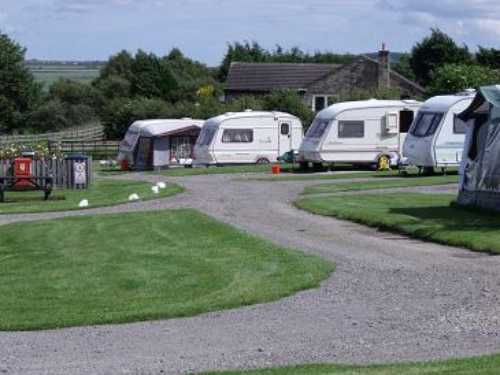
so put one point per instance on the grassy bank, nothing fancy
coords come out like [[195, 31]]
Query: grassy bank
[[488, 365], [101, 193], [140, 266], [387, 183], [425, 216]]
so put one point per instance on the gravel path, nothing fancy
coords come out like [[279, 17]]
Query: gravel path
[[391, 299]]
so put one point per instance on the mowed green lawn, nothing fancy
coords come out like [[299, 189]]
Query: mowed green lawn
[[228, 169], [382, 183], [488, 365], [427, 216], [140, 266], [101, 193]]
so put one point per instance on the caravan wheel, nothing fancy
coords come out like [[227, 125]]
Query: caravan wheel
[[263, 161]]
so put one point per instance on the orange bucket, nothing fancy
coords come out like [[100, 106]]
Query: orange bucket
[[276, 169], [124, 165]]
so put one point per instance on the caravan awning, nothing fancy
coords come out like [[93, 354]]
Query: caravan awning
[[156, 128], [486, 96]]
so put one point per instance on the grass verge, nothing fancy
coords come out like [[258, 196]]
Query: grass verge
[[487, 365], [102, 193], [426, 216], [303, 176], [229, 169], [387, 183], [140, 266]]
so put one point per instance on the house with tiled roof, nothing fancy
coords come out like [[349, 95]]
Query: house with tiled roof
[[318, 84]]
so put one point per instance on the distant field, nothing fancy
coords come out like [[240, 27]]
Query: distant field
[[49, 73]]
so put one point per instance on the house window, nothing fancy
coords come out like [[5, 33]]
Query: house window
[[351, 129], [237, 136], [319, 103]]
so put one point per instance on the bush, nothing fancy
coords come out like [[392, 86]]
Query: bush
[[120, 113], [80, 114], [50, 116], [453, 78], [290, 102]]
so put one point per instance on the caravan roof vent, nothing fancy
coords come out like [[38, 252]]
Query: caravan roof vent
[[248, 110], [186, 118]]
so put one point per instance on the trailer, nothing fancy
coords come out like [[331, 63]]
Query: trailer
[[369, 132], [156, 144], [436, 139], [247, 137]]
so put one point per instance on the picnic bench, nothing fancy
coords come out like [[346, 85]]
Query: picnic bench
[[26, 183]]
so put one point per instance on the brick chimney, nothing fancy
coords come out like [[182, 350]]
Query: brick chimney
[[384, 68]]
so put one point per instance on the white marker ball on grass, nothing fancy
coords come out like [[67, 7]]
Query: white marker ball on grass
[[161, 185], [155, 189], [84, 203], [133, 197]]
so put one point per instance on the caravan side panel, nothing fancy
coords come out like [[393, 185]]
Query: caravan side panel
[[357, 136], [246, 140], [449, 143]]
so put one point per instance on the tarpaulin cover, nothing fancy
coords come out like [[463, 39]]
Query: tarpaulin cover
[[480, 184]]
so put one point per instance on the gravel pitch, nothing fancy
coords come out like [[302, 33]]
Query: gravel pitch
[[390, 299]]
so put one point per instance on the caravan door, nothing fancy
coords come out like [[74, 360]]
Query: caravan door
[[285, 137]]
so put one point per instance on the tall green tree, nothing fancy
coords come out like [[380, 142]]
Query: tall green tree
[[489, 57], [433, 52], [18, 91], [453, 78]]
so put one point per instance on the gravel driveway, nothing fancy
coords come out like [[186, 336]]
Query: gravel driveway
[[390, 299]]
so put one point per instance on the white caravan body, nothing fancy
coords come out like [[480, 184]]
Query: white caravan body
[[359, 132], [247, 137], [160, 143], [435, 139]]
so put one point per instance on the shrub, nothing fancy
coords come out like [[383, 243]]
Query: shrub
[[50, 116], [120, 113], [453, 78], [291, 102]]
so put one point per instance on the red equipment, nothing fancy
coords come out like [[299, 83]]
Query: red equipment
[[23, 170]]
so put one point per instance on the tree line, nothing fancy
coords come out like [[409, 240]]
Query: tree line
[[145, 85]]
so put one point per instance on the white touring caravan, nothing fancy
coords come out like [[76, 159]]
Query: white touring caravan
[[360, 132], [247, 137], [155, 144], [435, 138]]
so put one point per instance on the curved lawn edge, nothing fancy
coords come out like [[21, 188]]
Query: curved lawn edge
[[142, 266], [485, 365], [35, 206], [428, 217]]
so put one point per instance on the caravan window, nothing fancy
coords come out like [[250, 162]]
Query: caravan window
[[206, 135], [351, 129], [426, 124], [237, 136], [459, 127], [317, 128]]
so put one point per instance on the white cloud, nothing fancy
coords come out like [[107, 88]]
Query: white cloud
[[489, 25]]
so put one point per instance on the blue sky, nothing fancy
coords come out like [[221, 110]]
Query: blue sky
[[95, 29]]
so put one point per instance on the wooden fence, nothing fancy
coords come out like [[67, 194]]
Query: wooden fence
[[62, 171], [97, 149], [87, 133]]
